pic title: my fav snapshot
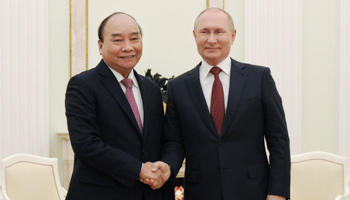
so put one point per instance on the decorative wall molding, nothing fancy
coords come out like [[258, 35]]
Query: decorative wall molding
[[24, 73], [78, 63], [24, 77], [1, 194], [67, 158], [78, 36], [344, 81], [273, 39], [216, 3]]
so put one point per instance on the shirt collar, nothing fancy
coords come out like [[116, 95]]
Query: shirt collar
[[225, 66], [120, 77]]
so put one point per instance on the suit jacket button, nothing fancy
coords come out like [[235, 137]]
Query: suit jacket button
[[144, 152], [221, 142]]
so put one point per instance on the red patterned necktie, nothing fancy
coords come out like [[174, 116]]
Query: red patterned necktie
[[130, 96], [217, 104]]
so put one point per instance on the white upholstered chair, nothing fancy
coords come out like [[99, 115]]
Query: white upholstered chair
[[319, 176], [30, 177]]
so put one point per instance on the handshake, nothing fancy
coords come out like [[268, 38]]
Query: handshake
[[155, 174]]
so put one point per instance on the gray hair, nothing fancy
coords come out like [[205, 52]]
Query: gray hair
[[232, 26], [103, 23]]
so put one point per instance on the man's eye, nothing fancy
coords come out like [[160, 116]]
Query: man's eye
[[134, 38], [118, 40]]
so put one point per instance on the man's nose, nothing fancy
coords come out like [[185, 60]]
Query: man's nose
[[212, 38], [127, 46]]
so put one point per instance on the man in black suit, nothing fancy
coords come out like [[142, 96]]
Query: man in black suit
[[115, 121], [218, 115]]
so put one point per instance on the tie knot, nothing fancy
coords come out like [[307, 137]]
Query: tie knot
[[127, 82], [215, 70]]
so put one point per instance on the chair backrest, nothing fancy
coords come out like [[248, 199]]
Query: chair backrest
[[27, 177], [318, 176]]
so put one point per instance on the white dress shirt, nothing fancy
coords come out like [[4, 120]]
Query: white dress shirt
[[135, 89], [207, 79]]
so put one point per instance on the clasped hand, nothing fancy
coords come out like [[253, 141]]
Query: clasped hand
[[155, 174]]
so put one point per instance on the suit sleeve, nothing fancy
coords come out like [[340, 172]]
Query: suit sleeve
[[86, 139], [277, 139], [173, 152]]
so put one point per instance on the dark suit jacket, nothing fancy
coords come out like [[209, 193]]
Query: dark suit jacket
[[233, 166], [108, 145]]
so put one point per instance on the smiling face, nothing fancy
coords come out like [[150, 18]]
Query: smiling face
[[213, 36], [121, 48]]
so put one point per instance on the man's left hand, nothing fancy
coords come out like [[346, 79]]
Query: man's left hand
[[274, 197], [157, 167]]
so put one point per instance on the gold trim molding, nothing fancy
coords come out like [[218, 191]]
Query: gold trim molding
[[87, 33], [215, 3], [70, 38]]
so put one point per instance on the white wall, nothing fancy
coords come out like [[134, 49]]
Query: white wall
[[320, 74]]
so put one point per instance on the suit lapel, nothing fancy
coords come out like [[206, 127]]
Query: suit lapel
[[237, 81], [195, 90], [111, 83], [146, 100]]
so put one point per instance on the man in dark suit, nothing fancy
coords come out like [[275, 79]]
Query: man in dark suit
[[115, 121], [217, 117]]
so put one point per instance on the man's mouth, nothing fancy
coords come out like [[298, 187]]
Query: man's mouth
[[211, 48], [127, 57]]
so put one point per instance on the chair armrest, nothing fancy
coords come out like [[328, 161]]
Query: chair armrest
[[64, 192], [343, 197]]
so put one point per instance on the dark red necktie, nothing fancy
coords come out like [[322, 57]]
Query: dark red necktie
[[217, 104]]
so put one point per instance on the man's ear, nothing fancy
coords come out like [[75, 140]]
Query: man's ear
[[194, 34], [233, 36], [100, 44]]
